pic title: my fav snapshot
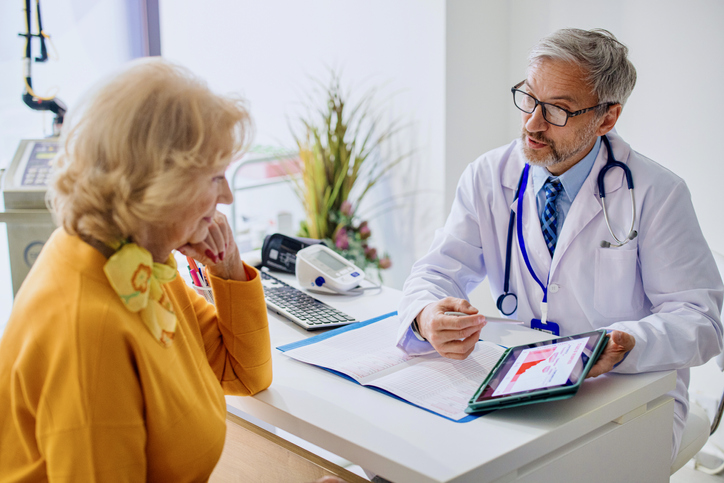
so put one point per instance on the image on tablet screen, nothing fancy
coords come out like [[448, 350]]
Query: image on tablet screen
[[542, 367]]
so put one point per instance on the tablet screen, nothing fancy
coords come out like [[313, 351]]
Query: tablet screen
[[542, 365]]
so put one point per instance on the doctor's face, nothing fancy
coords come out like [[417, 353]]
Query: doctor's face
[[558, 148]]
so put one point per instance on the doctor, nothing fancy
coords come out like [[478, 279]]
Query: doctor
[[659, 292]]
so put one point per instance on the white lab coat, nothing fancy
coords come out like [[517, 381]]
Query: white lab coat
[[663, 287]]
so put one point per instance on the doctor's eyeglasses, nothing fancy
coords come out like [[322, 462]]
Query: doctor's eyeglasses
[[553, 114]]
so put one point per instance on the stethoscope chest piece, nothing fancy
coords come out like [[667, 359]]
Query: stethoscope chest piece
[[507, 303]]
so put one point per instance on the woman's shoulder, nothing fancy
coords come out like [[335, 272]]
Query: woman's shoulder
[[72, 304]]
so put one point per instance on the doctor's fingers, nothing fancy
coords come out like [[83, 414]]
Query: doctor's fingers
[[440, 337], [458, 349], [453, 304], [457, 322], [604, 364]]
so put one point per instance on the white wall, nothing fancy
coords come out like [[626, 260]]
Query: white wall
[[271, 51], [477, 56], [91, 37]]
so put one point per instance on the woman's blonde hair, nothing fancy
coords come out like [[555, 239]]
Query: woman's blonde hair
[[137, 147]]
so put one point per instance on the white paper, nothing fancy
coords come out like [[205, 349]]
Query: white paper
[[369, 356]]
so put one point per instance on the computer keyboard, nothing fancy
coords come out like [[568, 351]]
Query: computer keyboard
[[300, 308]]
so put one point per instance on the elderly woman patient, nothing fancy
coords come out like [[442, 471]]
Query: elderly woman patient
[[111, 367]]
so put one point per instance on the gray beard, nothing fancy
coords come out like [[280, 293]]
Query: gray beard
[[558, 155]]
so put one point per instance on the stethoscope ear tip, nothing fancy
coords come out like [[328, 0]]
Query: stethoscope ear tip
[[605, 244], [633, 235]]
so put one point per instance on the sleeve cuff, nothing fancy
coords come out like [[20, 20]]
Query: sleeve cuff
[[413, 346]]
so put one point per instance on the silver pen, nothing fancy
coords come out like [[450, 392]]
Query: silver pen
[[487, 318]]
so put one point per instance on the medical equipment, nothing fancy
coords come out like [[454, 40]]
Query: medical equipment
[[33, 100], [24, 186], [507, 303], [319, 267], [280, 251]]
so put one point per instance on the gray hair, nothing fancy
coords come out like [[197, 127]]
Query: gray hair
[[611, 75]]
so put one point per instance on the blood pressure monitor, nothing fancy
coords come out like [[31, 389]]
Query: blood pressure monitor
[[320, 267]]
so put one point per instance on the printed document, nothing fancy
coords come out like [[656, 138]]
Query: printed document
[[369, 356]]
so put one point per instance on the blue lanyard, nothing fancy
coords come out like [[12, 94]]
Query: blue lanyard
[[521, 241], [542, 323]]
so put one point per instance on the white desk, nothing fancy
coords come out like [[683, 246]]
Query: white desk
[[617, 428]]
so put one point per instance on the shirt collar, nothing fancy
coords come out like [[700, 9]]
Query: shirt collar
[[573, 179]]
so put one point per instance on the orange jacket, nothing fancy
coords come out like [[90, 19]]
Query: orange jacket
[[87, 393]]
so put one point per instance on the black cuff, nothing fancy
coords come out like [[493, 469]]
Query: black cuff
[[416, 330]]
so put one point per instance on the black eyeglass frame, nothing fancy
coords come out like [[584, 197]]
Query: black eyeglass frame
[[543, 105]]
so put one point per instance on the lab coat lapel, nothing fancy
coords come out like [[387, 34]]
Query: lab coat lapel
[[513, 168], [587, 204]]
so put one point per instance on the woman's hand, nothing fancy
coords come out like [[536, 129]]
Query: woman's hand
[[218, 251]]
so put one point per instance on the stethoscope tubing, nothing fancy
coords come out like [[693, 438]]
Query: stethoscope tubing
[[613, 163]]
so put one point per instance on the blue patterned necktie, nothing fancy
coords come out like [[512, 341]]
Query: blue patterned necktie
[[549, 221]]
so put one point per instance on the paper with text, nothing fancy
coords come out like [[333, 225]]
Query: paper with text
[[369, 356]]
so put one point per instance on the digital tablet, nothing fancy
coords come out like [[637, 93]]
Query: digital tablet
[[542, 371]]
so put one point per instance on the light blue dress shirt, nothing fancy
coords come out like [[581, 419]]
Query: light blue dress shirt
[[572, 180]]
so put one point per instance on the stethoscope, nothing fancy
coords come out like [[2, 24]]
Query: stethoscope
[[507, 303]]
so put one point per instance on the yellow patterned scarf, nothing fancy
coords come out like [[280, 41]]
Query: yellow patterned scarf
[[137, 280]]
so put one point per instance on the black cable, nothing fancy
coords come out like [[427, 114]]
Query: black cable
[[43, 49]]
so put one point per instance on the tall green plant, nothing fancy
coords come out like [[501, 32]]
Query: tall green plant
[[341, 160]]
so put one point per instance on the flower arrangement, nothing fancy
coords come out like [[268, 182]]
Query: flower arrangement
[[351, 239], [340, 160]]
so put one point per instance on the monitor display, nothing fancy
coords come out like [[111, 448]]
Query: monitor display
[[329, 260]]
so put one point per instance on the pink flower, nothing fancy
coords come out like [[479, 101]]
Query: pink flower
[[341, 241], [385, 263], [364, 230], [371, 254], [346, 208]]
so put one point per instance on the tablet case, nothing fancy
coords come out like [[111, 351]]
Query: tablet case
[[541, 395]]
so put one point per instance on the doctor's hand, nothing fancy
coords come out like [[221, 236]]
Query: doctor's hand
[[452, 336], [618, 345]]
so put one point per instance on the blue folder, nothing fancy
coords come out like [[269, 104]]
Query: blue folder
[[346, 328]]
